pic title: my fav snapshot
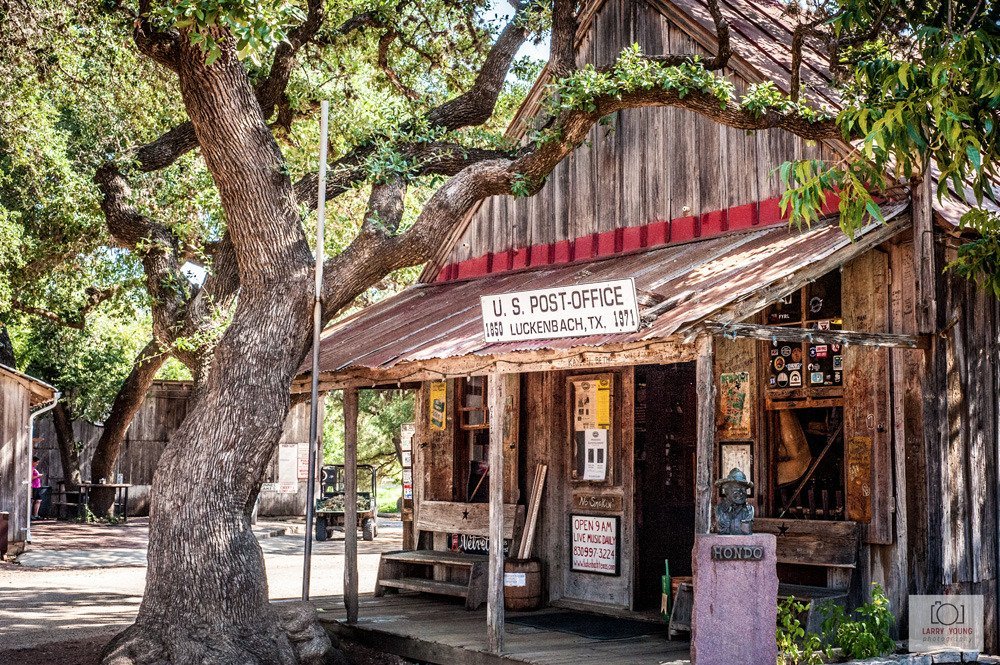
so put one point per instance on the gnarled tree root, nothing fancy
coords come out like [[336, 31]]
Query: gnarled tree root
[[296, 638]]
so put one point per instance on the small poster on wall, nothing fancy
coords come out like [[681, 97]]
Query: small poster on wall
[[591, 400], [439, 405], [734, 405], [596, 460], [595, 544], [592, 404], [288, 466]]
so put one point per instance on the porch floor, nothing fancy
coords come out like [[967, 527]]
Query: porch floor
[[433, 630]]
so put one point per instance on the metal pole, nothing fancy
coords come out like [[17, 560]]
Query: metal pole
[[317, 329], [31, 453]]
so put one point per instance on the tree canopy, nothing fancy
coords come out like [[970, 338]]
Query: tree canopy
[[139, 137]]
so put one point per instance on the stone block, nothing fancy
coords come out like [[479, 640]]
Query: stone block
[[735, 600], [947, 656]]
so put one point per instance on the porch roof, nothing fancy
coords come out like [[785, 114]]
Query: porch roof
[[423, 331], [39, 391]]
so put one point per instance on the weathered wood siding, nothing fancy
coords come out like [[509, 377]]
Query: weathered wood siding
[[161, 413], [15, 478], [946, 446], [644, 165]]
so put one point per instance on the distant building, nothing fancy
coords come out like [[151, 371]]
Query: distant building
[[20, 396]]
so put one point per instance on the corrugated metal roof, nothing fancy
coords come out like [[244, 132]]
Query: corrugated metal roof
[[724, 278]]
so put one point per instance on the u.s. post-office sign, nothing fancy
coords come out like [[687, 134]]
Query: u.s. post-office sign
[[603, 308]]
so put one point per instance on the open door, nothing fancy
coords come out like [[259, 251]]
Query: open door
[[665, 430]]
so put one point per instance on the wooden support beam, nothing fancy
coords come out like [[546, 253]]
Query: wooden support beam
[[924, 254], [782, 334], [655, 352], [705, 450], [503, 418], [351, 503]]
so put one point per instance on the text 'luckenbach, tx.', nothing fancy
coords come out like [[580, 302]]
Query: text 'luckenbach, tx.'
[[567, 311]]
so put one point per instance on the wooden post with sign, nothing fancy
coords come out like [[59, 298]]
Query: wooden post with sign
[[705, 447], [503, 418], [351, 503]]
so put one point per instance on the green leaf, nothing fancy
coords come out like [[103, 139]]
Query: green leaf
[[974, 156]]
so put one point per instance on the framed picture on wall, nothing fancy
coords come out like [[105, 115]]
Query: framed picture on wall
[[736, 455]]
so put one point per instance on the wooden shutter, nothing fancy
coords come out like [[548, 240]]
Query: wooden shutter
[[867, 404]]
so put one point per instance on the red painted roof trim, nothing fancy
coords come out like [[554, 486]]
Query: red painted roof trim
[[656, 233]]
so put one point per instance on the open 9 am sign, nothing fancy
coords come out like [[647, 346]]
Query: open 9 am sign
[[595, 543]]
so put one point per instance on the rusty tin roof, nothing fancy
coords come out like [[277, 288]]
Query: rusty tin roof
[[680, 287]]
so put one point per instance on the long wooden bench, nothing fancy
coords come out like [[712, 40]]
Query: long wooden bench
[[830, 544], [441, 571]]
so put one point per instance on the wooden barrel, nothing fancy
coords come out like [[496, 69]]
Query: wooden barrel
[[522, 584]]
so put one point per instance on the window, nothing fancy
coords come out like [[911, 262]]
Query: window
[[805, 406], [472, 441], [805, 365]]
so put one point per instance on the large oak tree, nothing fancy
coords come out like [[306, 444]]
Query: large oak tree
[[416, 88]]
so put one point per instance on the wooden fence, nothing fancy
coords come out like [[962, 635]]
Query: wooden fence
[[161, 413]]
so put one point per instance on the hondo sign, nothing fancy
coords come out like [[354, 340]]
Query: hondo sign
[[603, 308]]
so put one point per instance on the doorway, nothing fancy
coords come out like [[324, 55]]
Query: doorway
[[665, 440]]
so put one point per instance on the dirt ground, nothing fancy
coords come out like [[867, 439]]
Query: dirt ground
[[79, 585], [88, 652]]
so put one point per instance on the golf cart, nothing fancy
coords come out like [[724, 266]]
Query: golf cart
[[330, 504]]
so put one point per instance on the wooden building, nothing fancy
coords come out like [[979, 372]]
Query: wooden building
[[162, 411], [856, 383], [21, 398]]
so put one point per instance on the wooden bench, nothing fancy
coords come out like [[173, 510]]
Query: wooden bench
[[441, 571], [830, 544], [833, 545]]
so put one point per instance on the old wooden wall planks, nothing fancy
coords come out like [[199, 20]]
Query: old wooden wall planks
[[946, 450], [161, 413], [14, 461], [644, 165]]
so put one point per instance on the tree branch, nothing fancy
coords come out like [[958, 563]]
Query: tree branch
[[562, 42], [384, 42], [161, 47], [155, 245], [369, 257], [441, 158]]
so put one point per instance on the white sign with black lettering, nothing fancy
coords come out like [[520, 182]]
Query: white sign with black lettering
[[603, 308], [595, 544]]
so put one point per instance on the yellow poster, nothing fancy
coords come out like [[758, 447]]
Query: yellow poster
[[603, 404], [439, 405]]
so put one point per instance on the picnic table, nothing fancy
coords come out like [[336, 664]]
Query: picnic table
[[121, 496]]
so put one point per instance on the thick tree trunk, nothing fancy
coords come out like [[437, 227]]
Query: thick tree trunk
[[127, 403], [6, 348], [206, 598], [69, 454]]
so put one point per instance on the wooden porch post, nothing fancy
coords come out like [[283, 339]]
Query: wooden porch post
[[502, 415], [351, 503], [705, 450]]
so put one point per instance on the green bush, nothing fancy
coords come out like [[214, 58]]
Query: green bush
[[865, 632], [796, 645]]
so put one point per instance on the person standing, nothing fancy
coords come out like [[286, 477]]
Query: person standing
[[36, 488]]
